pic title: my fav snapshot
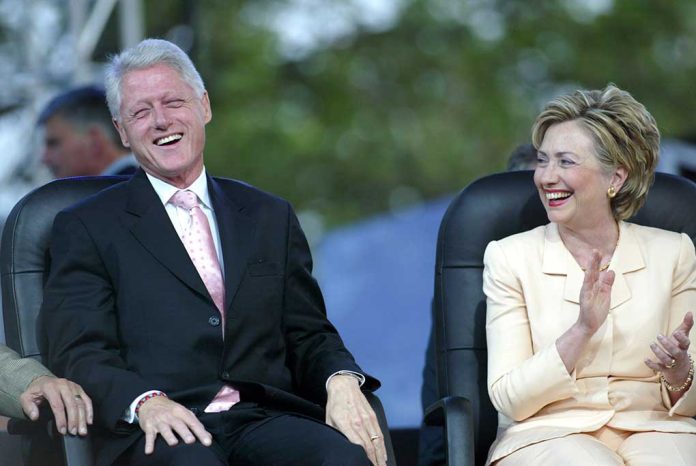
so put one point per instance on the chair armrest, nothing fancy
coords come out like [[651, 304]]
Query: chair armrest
[[377, 407], [77, 450], [17, 426], [454, 413]]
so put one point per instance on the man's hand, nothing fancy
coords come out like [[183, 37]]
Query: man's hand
[[160, 415], [64, 397], [348, 411]]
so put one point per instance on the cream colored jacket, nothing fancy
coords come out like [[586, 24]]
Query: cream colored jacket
[[16, 374], [532, 284]]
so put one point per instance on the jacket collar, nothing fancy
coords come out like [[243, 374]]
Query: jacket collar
[[153, 229], [628, 258]]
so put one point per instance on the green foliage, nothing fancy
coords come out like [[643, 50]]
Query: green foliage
[[385, 119]]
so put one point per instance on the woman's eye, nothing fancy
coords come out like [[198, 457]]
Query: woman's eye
[[566, 163]]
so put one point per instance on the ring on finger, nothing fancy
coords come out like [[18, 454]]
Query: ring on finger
[[77, 396], [671, 364], [374, 437]]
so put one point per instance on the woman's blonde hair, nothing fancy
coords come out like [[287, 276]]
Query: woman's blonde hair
[[625, 135]]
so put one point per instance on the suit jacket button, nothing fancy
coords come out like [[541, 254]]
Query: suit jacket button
[[214, 321], [195, 411], [225, 375]]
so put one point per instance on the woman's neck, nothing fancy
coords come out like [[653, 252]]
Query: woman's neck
[[603, 237]]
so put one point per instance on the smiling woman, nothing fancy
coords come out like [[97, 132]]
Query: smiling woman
[[578, 309], [573, 187]]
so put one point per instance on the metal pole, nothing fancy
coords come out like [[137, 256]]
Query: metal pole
[[131, 22], [93, 28]]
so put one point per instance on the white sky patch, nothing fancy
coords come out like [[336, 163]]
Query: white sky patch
[[487, 24], [585, 11], [303, 26]]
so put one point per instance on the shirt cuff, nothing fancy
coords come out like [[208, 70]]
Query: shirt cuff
[[129, 414], [357, 375]]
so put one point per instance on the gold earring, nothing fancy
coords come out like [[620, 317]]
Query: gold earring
[[611, 192]]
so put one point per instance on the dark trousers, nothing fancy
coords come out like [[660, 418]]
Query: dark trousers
[[248, 434]]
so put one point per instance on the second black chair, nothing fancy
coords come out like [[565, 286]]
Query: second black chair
[[489, 209]]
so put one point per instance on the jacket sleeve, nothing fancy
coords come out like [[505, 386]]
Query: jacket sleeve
[[16, 374], [315, 350], [80, 319], [520, 381], [683, 301]]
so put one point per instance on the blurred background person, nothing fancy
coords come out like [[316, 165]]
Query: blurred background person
[[80, 138], [678, 157], [524, 157]]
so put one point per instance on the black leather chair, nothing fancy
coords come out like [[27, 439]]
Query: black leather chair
[[24, 263], [489, 209], [23, 267]]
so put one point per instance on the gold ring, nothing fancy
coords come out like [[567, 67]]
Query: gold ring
[[374, 437], [671, 364]]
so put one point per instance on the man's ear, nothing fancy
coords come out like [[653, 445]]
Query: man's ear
[[121, 132], [207, 111]]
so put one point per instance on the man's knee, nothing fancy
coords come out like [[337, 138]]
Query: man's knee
[[198, 454], [345, 454], [290, 440], [179, 455]]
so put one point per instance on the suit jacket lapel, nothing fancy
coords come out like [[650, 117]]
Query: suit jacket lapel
[[153, 228], [558, 260], [628, 258], [236, 229]]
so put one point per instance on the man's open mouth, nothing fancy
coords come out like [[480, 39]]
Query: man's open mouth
[[168, 140]]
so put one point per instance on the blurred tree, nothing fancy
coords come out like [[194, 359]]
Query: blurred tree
[[377, 120]]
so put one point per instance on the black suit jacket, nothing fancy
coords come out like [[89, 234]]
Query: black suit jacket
[[126, 312]]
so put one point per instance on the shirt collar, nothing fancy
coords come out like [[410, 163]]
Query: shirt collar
[[165, 191]]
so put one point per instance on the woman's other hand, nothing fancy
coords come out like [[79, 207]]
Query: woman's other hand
[[672, 355]]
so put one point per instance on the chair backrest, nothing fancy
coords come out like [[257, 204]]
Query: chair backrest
[[24, 255], [489, 209]]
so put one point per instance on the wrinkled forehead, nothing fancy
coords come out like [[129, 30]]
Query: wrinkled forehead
[[153, 83]]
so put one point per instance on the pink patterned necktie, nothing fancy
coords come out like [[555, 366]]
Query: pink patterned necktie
[[199, 244]]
